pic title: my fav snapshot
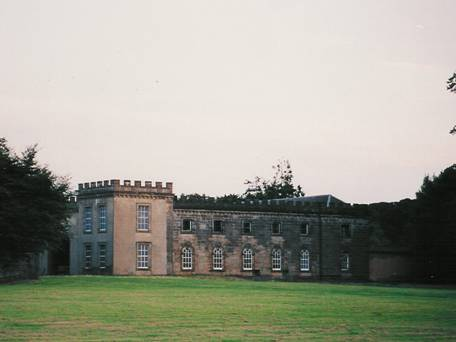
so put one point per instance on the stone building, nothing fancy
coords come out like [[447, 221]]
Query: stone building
[[138, 229]]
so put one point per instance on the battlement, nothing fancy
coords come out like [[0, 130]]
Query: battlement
[[114, 185], [353, 210]]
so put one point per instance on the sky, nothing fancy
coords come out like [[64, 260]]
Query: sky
[[207, 94]]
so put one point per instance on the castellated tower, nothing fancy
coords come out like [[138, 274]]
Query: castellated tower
[[122, 228]]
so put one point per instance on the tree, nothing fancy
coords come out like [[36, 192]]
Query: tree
[[280, 186], [33, 205], [451, 86], [436, 224], [396, 220], [451, 83]]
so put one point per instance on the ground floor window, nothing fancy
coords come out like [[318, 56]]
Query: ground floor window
[[102, 255], [187, 258], [247, 259], [304, 260], [276, 260], [87, 256], [142, 255], [217, 259], [344, 262]]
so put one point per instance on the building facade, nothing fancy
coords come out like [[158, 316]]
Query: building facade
[[138, 229]]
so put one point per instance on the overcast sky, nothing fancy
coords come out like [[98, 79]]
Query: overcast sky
[[209, 93]]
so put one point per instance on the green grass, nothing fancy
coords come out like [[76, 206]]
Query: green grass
[[173, 308]]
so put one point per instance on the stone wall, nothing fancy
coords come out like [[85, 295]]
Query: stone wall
[[391, 266], [26, 268], [79, 238], [323, 241], [166, 238], [121, 235], [334, 244], [126, 235]]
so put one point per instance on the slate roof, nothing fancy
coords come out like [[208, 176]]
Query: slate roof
[[327, 200]]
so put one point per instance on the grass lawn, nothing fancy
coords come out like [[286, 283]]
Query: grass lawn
[[138, 308]]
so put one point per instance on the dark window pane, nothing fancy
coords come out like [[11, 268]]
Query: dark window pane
[[276, 228], [247, 228], [346, 231], [217, 226], [187, 225]]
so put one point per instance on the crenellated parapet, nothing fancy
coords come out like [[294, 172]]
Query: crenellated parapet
[[127, 187]]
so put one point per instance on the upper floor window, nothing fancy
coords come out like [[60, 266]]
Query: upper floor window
[[188, 225], [87, 219], [102, 255], [142, 255], [217, 259], [102, 219], [345, 262], [142, 217], [276, 260], [346, 231], [276, 228], [304, 228], [187, 258], [247, 259], [304, 260], [247, 227], [87, 256], [217, 226]]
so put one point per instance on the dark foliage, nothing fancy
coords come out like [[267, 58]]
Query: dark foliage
[[280, 186], [33, 205], [194, 198], [451, 83], [436, 223], [395, 219]]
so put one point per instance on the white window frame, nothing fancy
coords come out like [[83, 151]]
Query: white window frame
[[247, 259], [102, 251], [217, 259], [88, 219], [221, 227], [187, 258], [142, 255], [191, 225], [88, 256], [304, 260], [142, 217], [250, 228], [276, 259], [345, 262], [102, 219], [280, 228]]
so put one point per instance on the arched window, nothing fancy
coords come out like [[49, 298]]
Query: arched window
[[217, 259], [345, 262], [276, 260], [187, 258], [247, 259], [304, 261]]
